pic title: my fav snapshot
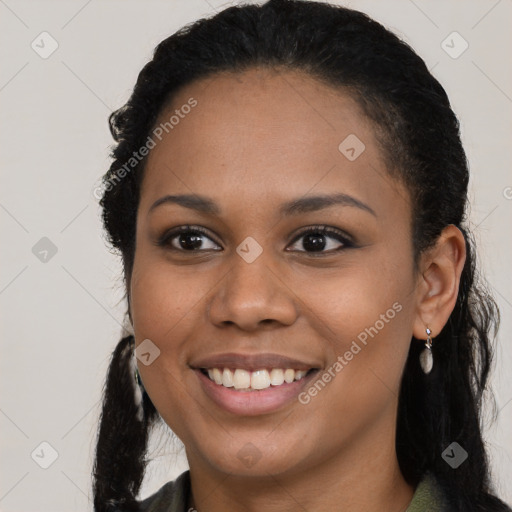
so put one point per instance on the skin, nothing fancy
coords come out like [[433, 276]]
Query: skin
[[255, 140]]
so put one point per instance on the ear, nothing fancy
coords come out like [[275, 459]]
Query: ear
[[438, 283]]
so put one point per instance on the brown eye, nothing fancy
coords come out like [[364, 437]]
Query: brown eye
[[316, 240], [187, 239]]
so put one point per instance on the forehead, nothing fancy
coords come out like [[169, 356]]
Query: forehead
[[264, 133]]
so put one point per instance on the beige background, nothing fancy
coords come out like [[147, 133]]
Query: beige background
[[61, 318]]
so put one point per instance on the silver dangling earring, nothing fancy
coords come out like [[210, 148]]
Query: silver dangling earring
[[426, 358]]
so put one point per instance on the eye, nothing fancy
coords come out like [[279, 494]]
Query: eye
[[187, 239], [192, 239], [315, 240]]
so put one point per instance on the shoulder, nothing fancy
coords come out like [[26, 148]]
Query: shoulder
[[171, 497], [435, 495], [429, 496]]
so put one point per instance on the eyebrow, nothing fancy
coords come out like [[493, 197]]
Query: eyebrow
[[295, 207]]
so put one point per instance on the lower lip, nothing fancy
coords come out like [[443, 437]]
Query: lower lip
[[252, 403]]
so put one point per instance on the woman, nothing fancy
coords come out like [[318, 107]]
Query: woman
[[288, 195]]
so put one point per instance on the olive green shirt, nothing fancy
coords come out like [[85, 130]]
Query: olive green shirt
[[173, 496]]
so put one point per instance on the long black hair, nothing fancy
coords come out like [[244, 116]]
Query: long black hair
[[419, 136]]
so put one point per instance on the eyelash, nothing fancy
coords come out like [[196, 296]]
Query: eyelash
[[167, 237]]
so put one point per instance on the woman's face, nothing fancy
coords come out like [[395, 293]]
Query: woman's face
[[251, 152]]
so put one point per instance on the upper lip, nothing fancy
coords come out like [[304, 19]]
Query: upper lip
[[251, 362]]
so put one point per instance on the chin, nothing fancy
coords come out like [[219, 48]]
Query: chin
[[246, 458]]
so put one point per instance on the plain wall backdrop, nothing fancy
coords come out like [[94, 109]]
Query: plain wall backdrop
[[61, 294]]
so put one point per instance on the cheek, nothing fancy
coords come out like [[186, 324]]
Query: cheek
[[164, 307], [163, 303], [349, 300], [364, 315], [162, 298]]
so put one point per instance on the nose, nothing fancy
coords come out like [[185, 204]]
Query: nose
[[252, 295]]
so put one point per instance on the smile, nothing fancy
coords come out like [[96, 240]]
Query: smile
[[251, 393], [243, 380]]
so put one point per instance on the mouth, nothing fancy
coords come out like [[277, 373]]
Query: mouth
[[245, 381], [251, 393]]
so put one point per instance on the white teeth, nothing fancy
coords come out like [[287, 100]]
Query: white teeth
[[260, 379], [241, 378], [276, 376], [299, 374], [289, 375], [227, 378], [256, 380], [217, 376]]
